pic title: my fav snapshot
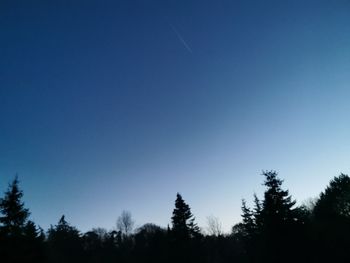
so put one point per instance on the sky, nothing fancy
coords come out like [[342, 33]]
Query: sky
[[108, 106]]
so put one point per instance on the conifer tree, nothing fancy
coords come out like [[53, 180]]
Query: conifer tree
[[276, 221], [30, 230], [247, 220], [277, 206], [64, 242], [20, 239], [63, 230], [13, 214], [183, 220], [335, 200], [331, 221]]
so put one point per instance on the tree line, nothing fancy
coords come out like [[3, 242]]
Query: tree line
[[275, 229]]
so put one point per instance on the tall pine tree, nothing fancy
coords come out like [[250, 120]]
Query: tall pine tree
[[271, 225], [277, 206], [20, 240], [331, 221], [13, 214], [276, 220], [64, 242], [183, 220]]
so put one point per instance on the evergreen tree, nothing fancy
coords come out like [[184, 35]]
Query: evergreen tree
[[20, 240], [257, 215], [248, 221], [276, 222], [277, 206], [183, 220], [250, 229], [251, 218], [185, 241], [268, 227], [335, 200], [30, 230], [14, 215], [331, 221], [65, 244]]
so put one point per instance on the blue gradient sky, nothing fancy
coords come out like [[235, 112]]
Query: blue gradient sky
[[112, 105]]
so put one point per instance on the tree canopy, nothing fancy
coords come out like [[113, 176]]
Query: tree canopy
[[275, 229], [335, 200]]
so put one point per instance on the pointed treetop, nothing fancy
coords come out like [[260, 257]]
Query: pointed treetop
[[14, 215], [183, 219]]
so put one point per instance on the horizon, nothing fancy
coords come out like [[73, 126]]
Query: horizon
[[203, 227]]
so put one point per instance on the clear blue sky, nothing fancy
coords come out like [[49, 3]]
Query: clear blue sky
[[112, 105]]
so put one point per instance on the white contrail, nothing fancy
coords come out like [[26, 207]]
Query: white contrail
[[182, 40]]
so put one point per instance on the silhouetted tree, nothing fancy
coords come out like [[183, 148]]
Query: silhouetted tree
[[246, 231], [185, 233], [277, 204], [64, 242], [20, 241], [124, 238], [331, 221], [183, 220], [14, 215], [276, 217], [272, 224], [335, 200], [273, 230], [125, 223], [248, 220], [34, 238], [214, 227], [150, 244], [96, 247]]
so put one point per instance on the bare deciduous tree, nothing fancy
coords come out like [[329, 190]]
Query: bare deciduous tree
[[125, 223], [214, 227], [310, 203]]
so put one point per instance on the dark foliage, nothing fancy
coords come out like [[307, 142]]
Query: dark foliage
[[14, 215], [20, 239], [331, 221], [184, 226], [64, 243], [273, 230]]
